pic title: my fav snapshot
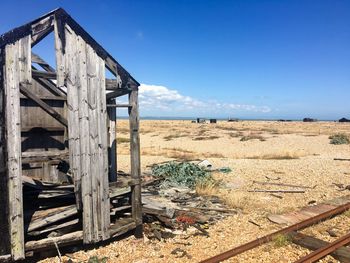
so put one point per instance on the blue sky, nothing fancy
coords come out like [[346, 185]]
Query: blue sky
[[246, 59]]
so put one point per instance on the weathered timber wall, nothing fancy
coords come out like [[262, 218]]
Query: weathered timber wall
[[87, 129], [17, 72]]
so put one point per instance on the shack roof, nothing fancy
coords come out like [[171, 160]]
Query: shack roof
[[44, 25]]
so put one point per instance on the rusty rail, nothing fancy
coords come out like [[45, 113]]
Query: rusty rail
[[326, 250], [265, 239]]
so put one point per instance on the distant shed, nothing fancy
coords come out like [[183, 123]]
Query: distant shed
[[58, 126]]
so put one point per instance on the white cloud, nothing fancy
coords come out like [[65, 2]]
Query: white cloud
[[154, 97]]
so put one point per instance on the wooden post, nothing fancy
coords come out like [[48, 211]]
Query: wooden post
[[135, 160], [4, 226], [17, 72], [112, 149], [59, 48], [73, 112]]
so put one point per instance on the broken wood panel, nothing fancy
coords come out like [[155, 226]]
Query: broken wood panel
[[17, 71], [135, 160], [112, 150], [52, 217], [73, 112]]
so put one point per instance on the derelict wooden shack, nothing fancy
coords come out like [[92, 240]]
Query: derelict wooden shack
[[58, 141]]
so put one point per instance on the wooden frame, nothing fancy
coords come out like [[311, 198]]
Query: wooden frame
[[87, 118]]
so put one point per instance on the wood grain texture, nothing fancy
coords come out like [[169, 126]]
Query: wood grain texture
[[17, 72], [135, 160]]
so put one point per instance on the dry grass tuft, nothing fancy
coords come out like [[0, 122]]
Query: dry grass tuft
[[278, 156], [253, 136], [281, 240], [213, 155], [236, 200], [206, 138], [122, 140], [207, 188], [174, 136], [347, 213]]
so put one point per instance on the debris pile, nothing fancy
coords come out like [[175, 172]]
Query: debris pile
[[171, 205]]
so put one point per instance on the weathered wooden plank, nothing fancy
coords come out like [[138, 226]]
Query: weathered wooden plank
[[103, 148], [45, 98], [135, 160], [117, 93], [41, 29], [52, 217], [112, 84], [95, 163], [59, 48], [84, 138], [342, 254], [115, 105], [27, 92], [44, 74], [49, 242], [17, 71], [73, 112], [4, 226], [112, 149]]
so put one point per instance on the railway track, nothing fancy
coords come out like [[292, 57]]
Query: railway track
[[312, 257]]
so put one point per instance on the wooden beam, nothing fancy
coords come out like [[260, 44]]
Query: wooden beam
[[135, 160], [113, 84], [41, 29], [38, 60], [43, 74], [17, 70], [46, 98], [112, 149], [50, 86], [117, 93], [113, 105], [342, 254], [27, 92], [73, 112], [4, 198], [60, 42]]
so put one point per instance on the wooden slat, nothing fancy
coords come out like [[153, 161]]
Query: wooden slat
[[84, 138], [94, 162], [117, 93], [47, 108], [112, 154], [18, 70], [73, 112], [44, 74], [59, 47], [4, 226], [342, 254], [112, 84], [114, 105], [135, 160], [56, 98], [103, 151], [53, 217]]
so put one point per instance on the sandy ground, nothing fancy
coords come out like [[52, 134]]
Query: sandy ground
[[294, 152]]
